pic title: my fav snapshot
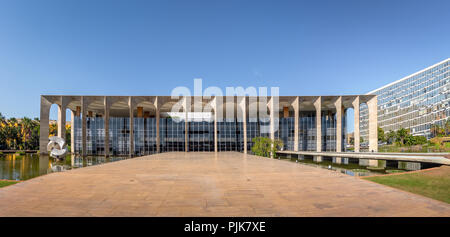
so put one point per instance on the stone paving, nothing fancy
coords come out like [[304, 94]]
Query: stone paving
[[208, 184]]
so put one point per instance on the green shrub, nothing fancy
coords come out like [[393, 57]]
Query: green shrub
[[264, 146]]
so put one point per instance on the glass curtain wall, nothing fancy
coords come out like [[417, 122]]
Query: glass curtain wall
[[173, 135], [119, 136], [252, 132], [227, 135], [144, 136], [286, 133], [77, 134], [307, 131], [201, 136]]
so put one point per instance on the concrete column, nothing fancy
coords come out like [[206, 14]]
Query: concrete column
[[84, 105], [317, 158], [72, 131], [216, 149], [106, 110], [340, 160], [272, 118], [44, 125], [318, 107], [373, 124], [338, 105], [62, 119], [243, 107], [296, 106], [131, 108], [368, 162], [356, 135], [158, 137], [186, 125]]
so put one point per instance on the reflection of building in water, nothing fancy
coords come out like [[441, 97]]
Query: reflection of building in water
[[59, 168], [44, 164]]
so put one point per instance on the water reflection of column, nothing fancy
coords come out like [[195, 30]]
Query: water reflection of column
[[44, 164]]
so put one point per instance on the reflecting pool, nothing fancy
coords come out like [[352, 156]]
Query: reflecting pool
[[27, 166], [353, 169]]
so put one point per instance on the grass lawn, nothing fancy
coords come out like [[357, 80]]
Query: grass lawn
[[433, 183], [4, 183]]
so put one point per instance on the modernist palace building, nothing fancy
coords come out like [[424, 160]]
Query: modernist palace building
[[141, 125], [414, 102]]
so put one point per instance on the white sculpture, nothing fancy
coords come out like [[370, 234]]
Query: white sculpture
[[57, 147]]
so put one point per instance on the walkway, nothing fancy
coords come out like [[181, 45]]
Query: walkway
[[205, 184]]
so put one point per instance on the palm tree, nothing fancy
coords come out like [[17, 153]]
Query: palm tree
[[25, 132], [53, 130], [401, 135], [390, 137], [2, 132], [447, 127]]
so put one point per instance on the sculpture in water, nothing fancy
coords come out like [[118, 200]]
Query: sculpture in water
[[57, 147]]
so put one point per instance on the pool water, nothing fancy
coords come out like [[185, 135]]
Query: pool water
[[23, 167], [353, 169]]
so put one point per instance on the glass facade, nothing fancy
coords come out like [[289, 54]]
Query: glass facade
[[172, 136], [230, 134], [144, 136], [201, 136], [414, 102]]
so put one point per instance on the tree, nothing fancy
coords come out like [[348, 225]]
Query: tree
[[433, 130], [447, 127], [419, 140], [264, 146], [381, 137], [19, 134], [2, 132], [401, 135], [391, 136], [53, 130]]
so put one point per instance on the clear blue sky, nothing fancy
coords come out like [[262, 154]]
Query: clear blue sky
[[150, 47]]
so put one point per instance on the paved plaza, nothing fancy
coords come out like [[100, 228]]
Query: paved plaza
[[209, 184]]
